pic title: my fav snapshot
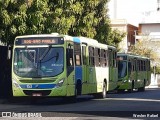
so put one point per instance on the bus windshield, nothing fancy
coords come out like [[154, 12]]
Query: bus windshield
[[122, 69], [38, 62]]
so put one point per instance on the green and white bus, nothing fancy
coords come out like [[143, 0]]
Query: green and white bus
[[133, 72], [53, 65]]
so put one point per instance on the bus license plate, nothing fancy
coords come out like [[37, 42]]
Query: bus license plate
[[36, 94]]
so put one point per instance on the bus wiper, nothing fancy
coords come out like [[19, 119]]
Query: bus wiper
[[57, 57], [45, 53]]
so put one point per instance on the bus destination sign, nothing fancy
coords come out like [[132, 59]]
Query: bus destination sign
[[39, 41]]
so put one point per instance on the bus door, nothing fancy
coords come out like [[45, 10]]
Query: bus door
[[78, 66], [70, 69], [137, 72], [91, 78], [133, 70], [113, 71], [130, 73], [85, 80], [148, 73]]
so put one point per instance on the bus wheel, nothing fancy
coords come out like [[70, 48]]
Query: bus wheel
[[132, 87], [141, 89], [103, 94]]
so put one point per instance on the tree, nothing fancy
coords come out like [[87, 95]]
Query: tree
[[115, 37], [74, 17], [148, 48], [12, 19]]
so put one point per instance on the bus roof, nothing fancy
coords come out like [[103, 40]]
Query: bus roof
[[111, 47], [66, 37], [132, 55], [80, 39], [88, 40], [94, 42]]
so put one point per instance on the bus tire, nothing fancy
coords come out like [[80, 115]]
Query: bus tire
[[102, 94], [142, 89], [132, 87]]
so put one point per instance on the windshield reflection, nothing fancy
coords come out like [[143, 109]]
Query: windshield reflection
[[122, 69], [38, 62]]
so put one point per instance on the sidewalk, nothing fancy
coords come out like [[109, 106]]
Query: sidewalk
[[152, 86]]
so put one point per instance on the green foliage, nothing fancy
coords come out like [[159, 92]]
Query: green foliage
[[142, 48], [115, 36], [74, 17], [156, 69], [147, 48]]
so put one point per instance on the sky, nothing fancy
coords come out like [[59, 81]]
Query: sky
[[135, 11]]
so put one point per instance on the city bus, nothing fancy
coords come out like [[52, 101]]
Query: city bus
[[53, 65], [133, 72]]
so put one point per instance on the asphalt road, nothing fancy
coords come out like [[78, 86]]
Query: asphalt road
[[135, 105]]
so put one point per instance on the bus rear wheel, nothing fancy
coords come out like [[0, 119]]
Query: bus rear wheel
[[132, 87], [141, 89], [102, 94]]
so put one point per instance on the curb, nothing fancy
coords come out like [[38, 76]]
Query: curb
[[152, 86]]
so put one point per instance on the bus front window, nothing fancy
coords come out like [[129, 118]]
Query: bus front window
[[122, 69], [38, 62]]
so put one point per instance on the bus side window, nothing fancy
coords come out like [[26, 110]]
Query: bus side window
[[110, 58], [77, 54], [84, 59], [129, 68], [91, 56], [114, 59]]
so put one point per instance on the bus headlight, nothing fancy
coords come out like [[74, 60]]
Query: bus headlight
[[59, 84], [16, 84]]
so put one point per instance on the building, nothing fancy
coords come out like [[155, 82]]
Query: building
[[129, 29], [149, 32], [149, 29]]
